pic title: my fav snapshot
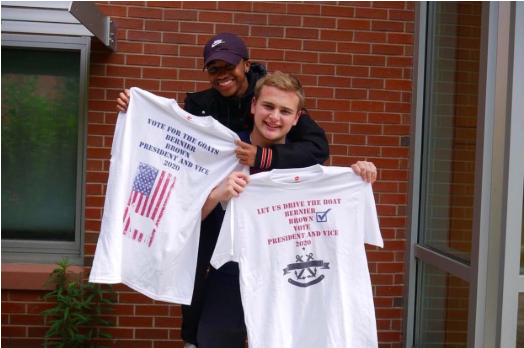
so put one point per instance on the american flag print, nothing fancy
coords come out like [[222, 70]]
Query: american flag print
[[146, 204]]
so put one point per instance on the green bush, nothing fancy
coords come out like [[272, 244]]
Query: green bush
[[78, 311]]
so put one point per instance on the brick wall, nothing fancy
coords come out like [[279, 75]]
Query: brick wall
[[355, 61]]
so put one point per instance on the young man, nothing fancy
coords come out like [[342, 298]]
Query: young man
[[276, 108], [276, 105]]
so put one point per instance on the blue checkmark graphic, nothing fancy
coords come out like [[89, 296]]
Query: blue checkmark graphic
[[322, 216]]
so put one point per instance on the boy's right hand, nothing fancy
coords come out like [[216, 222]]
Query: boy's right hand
[[123, 101]]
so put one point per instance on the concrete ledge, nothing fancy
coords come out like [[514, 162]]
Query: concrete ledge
[[31, 276]]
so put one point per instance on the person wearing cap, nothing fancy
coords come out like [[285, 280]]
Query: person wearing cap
[[233, 78]]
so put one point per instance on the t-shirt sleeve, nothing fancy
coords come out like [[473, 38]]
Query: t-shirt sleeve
[[369, 218], [224, 249]]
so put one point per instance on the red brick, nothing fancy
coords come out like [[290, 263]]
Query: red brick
[[369, 36], [164, 4], [387, 49], [347, 93], [291, 21], [135, 321], [235, 6], [13, 331], [328, 46], [354, 24], [388, 26], [162, 25], [366, 129], [301, 56], [384, 95], [337, 11], [303, 9], [289, 44], [294, 68], [333, 104], [302, 33], [404, 85], [371, 13], [398, 107], [196, 27], [384, 117], [118, 332], [169, 322], [369, 60], [336, 35], [353, 47], [160, 73], [217, 17], [400, 61], [395, 38], [151, 333], [401, 15], [124, 71], [319, 22], [350, 116], [386, 72], [267, 7], [135, 35], [179, 62], [251, 18], [367, 83], [11, 307], [153, 310], [364, 151], [267, 31], [200, 5], [183, 15], [267, 54], [345, 70], [142, 12], [241, 30], [328, 58]]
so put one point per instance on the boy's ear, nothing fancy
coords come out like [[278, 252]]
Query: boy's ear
[[253, 103], [297, 117]]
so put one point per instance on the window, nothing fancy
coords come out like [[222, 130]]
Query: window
[[43, 117]]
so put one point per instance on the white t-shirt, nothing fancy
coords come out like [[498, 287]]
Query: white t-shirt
[[164, 164], [298, 235]]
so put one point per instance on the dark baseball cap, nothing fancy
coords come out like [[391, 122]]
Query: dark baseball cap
[[227, 47]]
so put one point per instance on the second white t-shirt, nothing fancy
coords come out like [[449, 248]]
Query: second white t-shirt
[[298, 236]]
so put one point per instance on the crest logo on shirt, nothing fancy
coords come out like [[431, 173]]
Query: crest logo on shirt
[[306, 270]]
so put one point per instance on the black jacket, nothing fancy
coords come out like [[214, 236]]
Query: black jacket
[[308, 143]]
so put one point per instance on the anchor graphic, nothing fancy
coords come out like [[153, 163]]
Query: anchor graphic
[[300, 267]]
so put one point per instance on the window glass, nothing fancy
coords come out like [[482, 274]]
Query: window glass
[[40, 108], [450, 127], [443, 309]]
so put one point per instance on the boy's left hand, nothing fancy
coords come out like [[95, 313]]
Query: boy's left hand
[[246, 153], [366, 170]]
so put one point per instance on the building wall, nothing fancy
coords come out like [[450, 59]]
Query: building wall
[[355, 62]]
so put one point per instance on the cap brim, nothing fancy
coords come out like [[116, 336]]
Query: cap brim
[[229, 57]]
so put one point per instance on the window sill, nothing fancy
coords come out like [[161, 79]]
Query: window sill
[[31, 276]]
